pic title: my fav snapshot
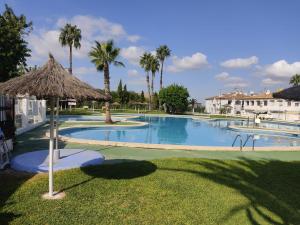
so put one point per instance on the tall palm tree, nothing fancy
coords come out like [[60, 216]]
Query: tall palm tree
[[162, 52], [145, 63], [70, 36], [103, 55], [295, 80], [154, 65]]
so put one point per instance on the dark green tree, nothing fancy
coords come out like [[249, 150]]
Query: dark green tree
[[120, 93], [175, 97], [155, 101], [142, 96], [13, 46], [125, 95]]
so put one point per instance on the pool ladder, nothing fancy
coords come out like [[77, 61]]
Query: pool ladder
[[241, 141]]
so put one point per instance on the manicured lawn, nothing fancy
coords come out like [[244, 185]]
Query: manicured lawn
[[173, 191], [226, 188]]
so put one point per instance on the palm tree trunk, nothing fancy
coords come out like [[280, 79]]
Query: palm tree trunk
[[70, 59], [152, 86], [161, 74], [107, 92], [161, 81], [149, 92]]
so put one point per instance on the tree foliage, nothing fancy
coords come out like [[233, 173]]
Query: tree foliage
[[70, 36], [13, 46], [142, 96], [162, 52], [295, 80], [175, 97], [102, 56]]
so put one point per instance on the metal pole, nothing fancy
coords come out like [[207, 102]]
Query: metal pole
[[51, 147], [57, 153]]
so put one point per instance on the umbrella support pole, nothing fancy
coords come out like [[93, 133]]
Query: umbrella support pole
[[51, 194], [56, 151], [51, 143]]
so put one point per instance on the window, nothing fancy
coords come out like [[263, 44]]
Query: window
[[265, 103], [229, 102], [247, 102], [289, 103], [297, 104], [252, 103], [258, 103], [237, 102]]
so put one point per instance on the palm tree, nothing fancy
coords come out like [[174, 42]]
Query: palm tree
[[145, 63], [295, 80], [162, 52], [70, 36], [154, 65], [193, 102], [103, 55]]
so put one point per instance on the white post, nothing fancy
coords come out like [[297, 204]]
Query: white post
[[51, 147], [56, 151]]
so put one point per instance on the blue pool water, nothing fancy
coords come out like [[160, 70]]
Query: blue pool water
[[183, 131]]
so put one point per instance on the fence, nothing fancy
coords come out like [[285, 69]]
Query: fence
[[7, 114]]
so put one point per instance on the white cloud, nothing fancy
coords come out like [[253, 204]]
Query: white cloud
[[231, 81], [44, 41], [240, 62], [98, 27], [237, 85], [196, 61], [270, 82], [132, 54], [222, 76], [84, 70], [133, 38], [133, 73], [281, 69]]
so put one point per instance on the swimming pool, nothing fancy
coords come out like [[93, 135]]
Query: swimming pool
[[183, 131]]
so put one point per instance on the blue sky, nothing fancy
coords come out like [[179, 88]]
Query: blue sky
[[217, 46]]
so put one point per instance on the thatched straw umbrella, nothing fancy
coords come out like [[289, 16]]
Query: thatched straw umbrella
[[292, 93], [50, 82], [116, 104]]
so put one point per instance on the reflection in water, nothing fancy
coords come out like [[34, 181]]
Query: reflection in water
[[170, 131]]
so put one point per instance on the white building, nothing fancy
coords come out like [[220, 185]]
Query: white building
[[239, 103], [29, 113]]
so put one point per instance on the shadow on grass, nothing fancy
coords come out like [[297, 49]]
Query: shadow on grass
[[272, 187], [116, 169], [10, 182]]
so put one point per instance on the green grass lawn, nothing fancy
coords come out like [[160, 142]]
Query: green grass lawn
[[173, 191], [200, 187]]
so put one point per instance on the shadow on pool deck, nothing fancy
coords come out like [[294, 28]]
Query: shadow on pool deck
[[272, 187]]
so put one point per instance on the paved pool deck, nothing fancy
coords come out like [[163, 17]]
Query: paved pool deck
[[35, 140], [38, 161]]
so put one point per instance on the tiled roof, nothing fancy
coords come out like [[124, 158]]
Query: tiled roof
[[242, 96]]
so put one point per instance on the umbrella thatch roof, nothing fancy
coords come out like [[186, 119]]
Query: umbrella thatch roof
[[292, 93], [116, 104], [51, 80]]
